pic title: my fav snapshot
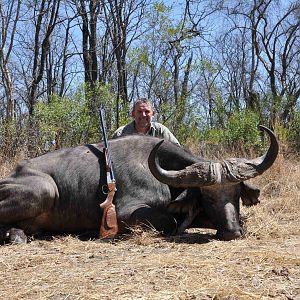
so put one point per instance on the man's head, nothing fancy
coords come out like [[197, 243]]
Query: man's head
[[142, 113]]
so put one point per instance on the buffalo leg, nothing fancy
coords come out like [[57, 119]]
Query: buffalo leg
[[21, 202], [12, 235], [154, 218], [249, 194], [186, 206]]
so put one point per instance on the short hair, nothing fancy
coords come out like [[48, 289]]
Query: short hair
[[142, 100]]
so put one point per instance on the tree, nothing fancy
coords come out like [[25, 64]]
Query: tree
[[273, 29], [200, 62], [88, 12], [123, 19], [45, 22], [8, 27]]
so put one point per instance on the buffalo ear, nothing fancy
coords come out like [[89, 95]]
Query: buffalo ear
[[249, 194]]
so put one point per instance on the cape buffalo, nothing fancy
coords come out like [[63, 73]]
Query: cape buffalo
[[158, 183]]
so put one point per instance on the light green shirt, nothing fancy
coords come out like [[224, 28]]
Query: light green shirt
[[156, 129]]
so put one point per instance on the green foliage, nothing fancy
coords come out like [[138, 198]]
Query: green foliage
[[62, 121], [219, 111], [241, 131], [12, 137], [99, 96], [66, 122], [188, 134], [181, 120], [138, 55], [208, 66], [160, 7], [296, 128], [293, 131], [212, 136], [124, 116]]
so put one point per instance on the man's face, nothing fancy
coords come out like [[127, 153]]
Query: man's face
[[142, 115]]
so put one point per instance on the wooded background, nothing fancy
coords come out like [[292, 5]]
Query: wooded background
[[213, 69]]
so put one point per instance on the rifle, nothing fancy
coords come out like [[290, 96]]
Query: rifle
[[109, 224]]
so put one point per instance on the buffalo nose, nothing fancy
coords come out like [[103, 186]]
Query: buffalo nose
[[229, 235]]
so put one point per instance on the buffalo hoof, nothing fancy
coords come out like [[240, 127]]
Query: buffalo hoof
[[229, 235], [16, 236]]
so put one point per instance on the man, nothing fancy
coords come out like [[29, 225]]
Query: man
[[142, 114]]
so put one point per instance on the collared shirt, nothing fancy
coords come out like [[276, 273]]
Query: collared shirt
[[156, 129]]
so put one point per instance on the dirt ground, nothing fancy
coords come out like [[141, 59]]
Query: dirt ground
[[265, 264]]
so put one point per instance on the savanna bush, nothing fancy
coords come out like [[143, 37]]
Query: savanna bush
[[62, 122], [241, 131], [12, 137], [240, 134], [70, 121], [294, 136]]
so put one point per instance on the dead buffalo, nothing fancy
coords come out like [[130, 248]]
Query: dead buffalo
[[158, 183]]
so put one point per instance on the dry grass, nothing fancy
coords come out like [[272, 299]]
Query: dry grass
[[263, 265]]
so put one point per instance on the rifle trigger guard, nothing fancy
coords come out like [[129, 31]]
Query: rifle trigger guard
[[104, 189]]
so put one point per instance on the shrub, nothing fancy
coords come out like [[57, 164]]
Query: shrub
[[62, 122], [241, 132], [12, 137]]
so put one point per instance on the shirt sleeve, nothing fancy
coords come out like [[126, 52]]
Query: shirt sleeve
[[165, 133], [170, 136], [118, 132]]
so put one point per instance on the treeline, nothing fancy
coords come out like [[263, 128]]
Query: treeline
[[214, 69]]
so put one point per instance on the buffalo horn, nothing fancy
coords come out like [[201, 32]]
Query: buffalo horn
[[209, 172]]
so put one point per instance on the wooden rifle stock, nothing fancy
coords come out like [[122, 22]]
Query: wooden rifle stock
[[109, 222]]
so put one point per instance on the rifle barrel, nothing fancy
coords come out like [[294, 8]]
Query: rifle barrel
[[103, 127], [107, 152]]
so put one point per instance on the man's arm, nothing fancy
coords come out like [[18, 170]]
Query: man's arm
[[165, 133], [119, 132]]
